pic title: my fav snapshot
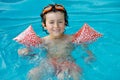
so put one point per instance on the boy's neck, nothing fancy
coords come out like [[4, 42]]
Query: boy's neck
[[56, 37]]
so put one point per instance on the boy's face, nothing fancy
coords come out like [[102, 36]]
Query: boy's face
[[55, 23]]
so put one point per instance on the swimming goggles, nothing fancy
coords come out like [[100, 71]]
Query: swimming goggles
[[57, 7]]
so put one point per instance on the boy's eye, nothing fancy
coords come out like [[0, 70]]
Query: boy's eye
[[60, 21], [51, 22]]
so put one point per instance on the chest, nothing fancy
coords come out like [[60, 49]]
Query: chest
[[59, 47]]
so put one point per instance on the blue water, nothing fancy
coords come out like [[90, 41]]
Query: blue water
[[102, 15]]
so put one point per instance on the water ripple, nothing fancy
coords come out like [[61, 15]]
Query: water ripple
[[95, 13], [13, 27], [96, 21], [10, 1], [107, 5], [25, 18], [2, 11]]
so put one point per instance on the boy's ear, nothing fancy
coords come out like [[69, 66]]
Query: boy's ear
[[43, 25]]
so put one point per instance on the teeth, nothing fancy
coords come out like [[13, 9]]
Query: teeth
[[56, 30]]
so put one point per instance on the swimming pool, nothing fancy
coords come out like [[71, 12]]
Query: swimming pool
[[102, 15]]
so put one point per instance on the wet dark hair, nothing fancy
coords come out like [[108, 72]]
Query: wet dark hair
[[54, 10]]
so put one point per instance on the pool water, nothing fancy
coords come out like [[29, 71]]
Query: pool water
[[102, 15]]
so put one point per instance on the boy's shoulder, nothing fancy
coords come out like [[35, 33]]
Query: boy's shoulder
[[44, 38], [67, 37]]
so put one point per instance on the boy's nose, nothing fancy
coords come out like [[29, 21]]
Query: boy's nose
[[56, 25]]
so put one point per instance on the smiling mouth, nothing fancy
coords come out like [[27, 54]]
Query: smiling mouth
[[56, 30]]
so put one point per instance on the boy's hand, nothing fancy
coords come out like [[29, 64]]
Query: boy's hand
[[89, 59], [23, 52]]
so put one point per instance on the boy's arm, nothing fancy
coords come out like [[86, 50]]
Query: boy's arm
[[26, 52], [85, 47], [23, 51], [91, 56]]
